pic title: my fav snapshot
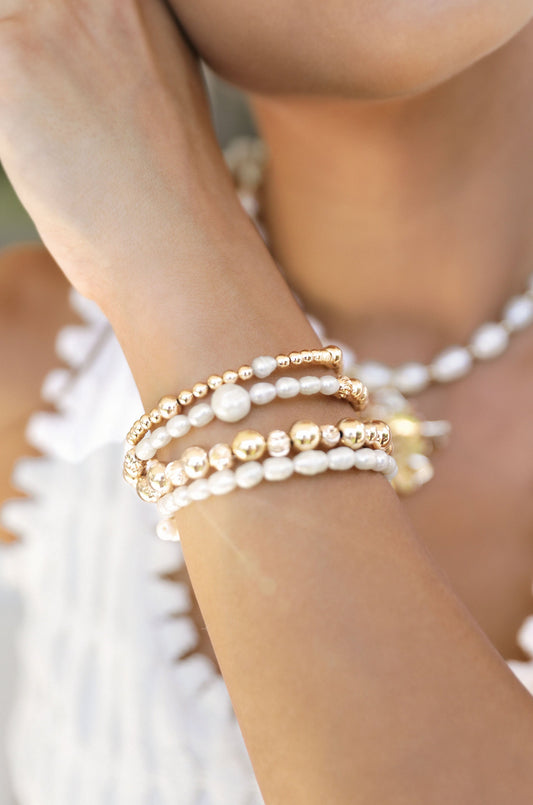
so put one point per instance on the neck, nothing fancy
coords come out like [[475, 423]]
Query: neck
[[410, 216]]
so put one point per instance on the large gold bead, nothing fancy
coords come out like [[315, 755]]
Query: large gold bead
[[155, 472], [155, 416], [335, 353], [352, 433], [175, 472], [372, 436], [146, 491], [132, 464], [146, 422], [214, 381], [305, 435], [195, 462], [168, 406], [385, 437], [220, 456], [248, 445], [200, 390]]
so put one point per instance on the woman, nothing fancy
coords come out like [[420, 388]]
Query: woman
[[398, 202]]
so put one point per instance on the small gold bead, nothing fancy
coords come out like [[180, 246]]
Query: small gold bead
[[278, 443], [132, 464], [307, 356], [168, 407], [336, 354], [155, 416], [200, 390], [318, 355], [330, 435], [195, 462], [283, 361], [230, 376], [245, 372], [220, 456], [372, 436], [130, 479], [385, 436], [296, 358], [352, 433], [146, 422], [175, 472], [305, 435], [214, 381], [248, 445], [185, 397], [146, 491], [131, 438], [155, 472], [138, 429]]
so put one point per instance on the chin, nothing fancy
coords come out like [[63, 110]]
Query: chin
[[368, 49]]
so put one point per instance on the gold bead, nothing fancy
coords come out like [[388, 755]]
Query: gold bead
[[295, 358], [214, 381], [307, 356], [195, 462], [220, 456], [138, 429], [155, 416], [168, 407], [336, 354], [131, 438], [248, 445], [330, 435], [283, 361], [372, 438], [132, 464], [146, 491], [185, 397], [318, 355], [230, 376], [155, 472], [352, 433], [175, 472], [278, 443], [130, 479], [384, 435], [200, 389], [305, 435], [345, 388], [146, 422], [245, 372]]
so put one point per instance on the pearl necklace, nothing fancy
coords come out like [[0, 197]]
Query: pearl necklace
[[390, 386]]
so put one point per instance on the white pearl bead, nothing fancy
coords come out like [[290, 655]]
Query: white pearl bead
[[262, 393], [181, 496], [310, 384], [310, 462], [349, 357], [145, 449], [167, 531], [200, 415], [381, 461], [341, 458], [393, 471], [329, 385], [264, 365], [410, 378], [277, 469], [374, 375], [249, 474], [489, 341], [231, 402], [199, 489], [178, 426], [222, 482], [518, 313], [451, 364], [364, 459], [166, 505], [287, 387], [160, 437]]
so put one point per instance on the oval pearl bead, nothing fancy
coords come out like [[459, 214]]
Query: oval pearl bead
[[264, 365], [166, 505], [178, 426], [518, 313], [381, 461], [166, 530], [411, 378], [277, 469], [248, 475], [451, 364], [364, 459], [311, 462], [340, 458], [200, 415], [231, 402], [145, 449], [489, 341], [222, 482], [329, 385], [287, 387], [374, 375], [160, 437], [262, 393], [199, 489], [310, 384], [181, 497]]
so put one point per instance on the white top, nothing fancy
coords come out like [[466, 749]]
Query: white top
[[106, 713]]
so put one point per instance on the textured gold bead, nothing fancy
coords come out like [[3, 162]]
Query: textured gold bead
[[195, 462], [230, 376], [336, 354], [155, 416], [146, 422], [295, 358], [214, 381], [372, 438], [185, 397], [330, 435], [200, 390], [248, 445], [283, 361], [307, 356], [146, 491], [345, 387], [130, 479], [352, 433], [220, 456], [245, 372], [168, 406], [132, 464], [155, 472], [278, 443], [305, 435], [175, 472]]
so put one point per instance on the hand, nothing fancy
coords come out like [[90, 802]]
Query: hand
[[104, 133]]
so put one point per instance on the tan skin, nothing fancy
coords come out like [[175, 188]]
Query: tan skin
[[355, 673]]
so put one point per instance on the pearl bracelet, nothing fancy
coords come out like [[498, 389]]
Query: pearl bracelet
[[249, 474]]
